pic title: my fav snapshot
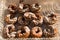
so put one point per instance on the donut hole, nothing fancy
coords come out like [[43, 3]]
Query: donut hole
[[48, 30], [9, 28], [26, 6], [13, 7], [23, 31], [38, 31], [52, 15], [23, 19], [37, 5], [12, 16]]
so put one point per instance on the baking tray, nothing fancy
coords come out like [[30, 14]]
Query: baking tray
[[47, 5]]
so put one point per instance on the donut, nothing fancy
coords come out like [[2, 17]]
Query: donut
[[35, 7], [39, 19], [23, 8], [22, 21], [36, 32], [50, 19], [12, 8], [29, 16], [24, 32], [8, 19], [9, 31], [50, 31]]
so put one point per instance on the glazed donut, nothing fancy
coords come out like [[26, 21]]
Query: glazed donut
[[50, 31], [36, 32], [8, 19], [29, 16], [24, 32], [50, 19], [12, 8], [39, 19], [9, 31], [23, 8], [22, 21], [35, 7]]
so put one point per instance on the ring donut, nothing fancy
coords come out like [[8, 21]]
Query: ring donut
[[38, 21], [36, 32], [29, 15], [9, 31], [24, 32], [23, 8], [12, 8], [8, 19], [50, 19], [35, 7], [22, 21], [50, 31]]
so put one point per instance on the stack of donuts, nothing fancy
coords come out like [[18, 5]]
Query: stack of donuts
[[25, 21]]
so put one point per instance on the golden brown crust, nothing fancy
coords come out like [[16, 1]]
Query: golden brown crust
[[9, 20], [24, 32], [50, 31], [12, 8], [9, 31], [50, 19], [29, 16], [35, 7], [36, 32], [22, 21]]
